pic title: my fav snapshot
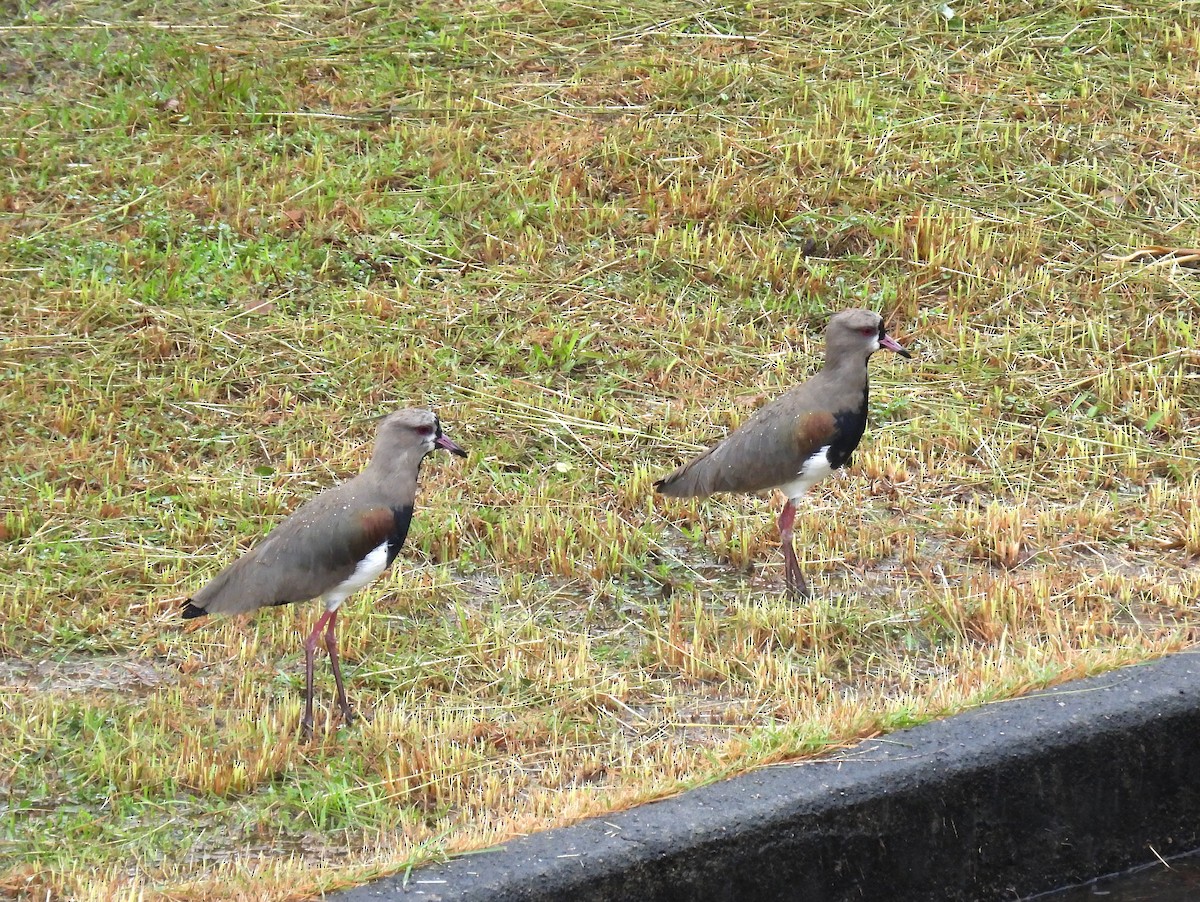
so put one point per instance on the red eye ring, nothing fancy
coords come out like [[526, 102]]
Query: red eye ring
[[869, 331]]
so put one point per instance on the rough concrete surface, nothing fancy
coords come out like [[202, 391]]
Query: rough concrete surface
[[1000, 802]]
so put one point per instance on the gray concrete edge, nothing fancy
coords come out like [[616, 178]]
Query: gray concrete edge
[[1000, 802]]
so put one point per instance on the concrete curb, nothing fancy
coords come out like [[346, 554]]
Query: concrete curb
[[997, 803]]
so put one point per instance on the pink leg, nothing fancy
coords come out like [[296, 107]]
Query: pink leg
[[331, 647], [310, 650], [792, 576]]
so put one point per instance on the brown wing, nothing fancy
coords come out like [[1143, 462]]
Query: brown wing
[[313, 550], [766, 451]]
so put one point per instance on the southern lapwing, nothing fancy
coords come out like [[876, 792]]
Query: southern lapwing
[[334, 544], [800, 437]]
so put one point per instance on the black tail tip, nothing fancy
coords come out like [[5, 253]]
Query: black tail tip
[[190, 611]]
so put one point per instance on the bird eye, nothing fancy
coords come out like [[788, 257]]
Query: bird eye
[[424, 430], [869, 331]]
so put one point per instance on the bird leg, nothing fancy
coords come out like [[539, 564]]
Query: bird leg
[[331, 647], [792, 576], [310, 650]]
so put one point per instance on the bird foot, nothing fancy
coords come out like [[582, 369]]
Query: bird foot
[[797, 587], [798, 594], [349, 718]]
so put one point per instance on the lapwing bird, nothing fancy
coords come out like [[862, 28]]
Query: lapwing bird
[[800, 437], [334, 544]]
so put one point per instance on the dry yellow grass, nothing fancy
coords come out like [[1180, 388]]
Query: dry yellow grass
[[594, 237]]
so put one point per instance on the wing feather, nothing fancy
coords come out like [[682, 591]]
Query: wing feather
[[766, 451], [313, 550]]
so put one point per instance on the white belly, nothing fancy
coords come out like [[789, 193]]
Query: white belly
[[811, 472], [366, 572]]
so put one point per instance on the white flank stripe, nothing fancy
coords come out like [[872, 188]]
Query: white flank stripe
[[811, 472], [366, 572]]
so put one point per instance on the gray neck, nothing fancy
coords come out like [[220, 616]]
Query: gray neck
[[394, 476]]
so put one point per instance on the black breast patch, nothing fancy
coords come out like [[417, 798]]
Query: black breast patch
[[402, 517], [849, 426]]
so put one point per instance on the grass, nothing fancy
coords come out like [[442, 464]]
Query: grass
[[594, 236]]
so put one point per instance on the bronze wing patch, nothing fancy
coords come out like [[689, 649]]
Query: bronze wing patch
[[813, 431]]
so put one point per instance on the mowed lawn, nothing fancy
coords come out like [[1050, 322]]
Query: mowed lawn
[[594, 236]]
